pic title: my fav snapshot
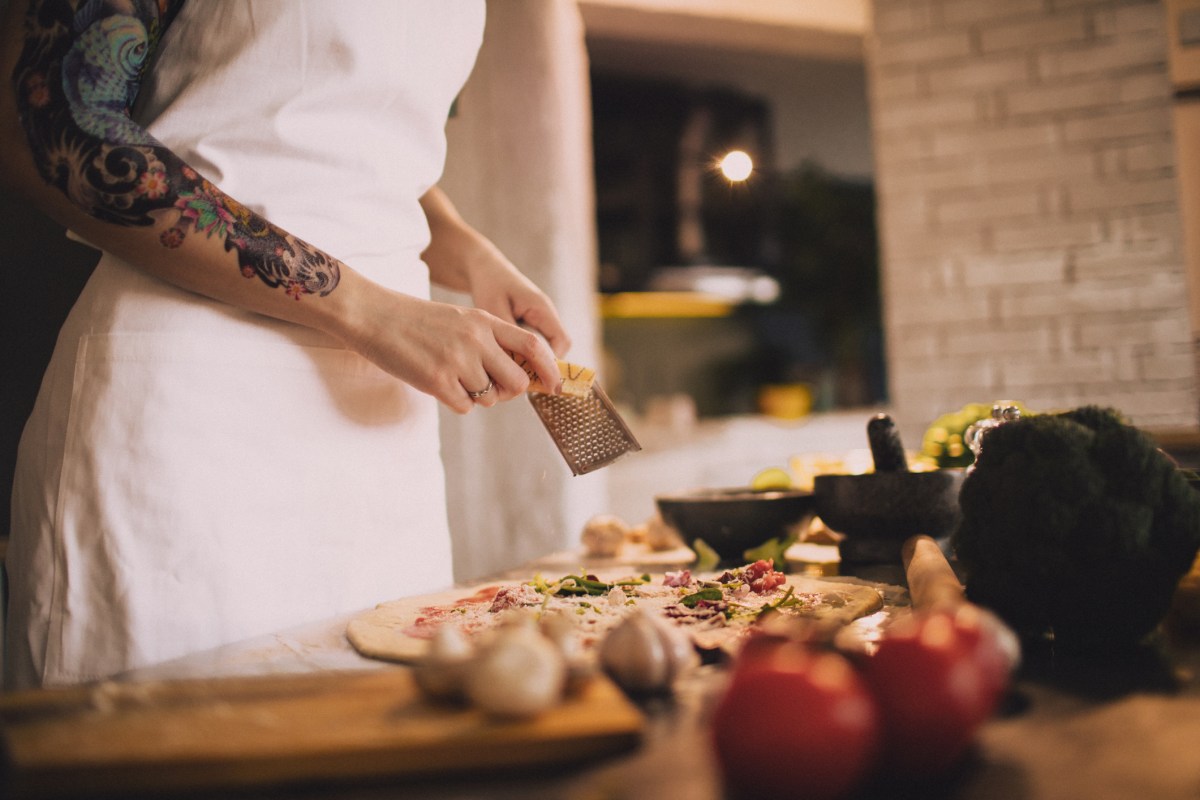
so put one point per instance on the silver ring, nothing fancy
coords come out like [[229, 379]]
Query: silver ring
[[479, 394]]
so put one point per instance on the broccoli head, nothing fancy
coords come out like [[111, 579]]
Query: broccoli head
[[1076, 524]]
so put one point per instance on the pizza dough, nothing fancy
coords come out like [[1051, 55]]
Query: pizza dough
[[400, 630]]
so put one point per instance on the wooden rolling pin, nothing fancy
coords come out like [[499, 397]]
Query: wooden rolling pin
[[933, 586], [932, 583]]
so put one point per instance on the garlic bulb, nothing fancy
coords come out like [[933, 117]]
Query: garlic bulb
[[560, 629], [519, 674], [643, 654], [442, 673], [563, 632], [603, 536], [661, 535]]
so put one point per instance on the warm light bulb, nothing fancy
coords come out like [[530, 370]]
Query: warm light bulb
[[737, 165]]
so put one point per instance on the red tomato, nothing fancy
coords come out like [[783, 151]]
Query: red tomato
[[794, 722], [993, 643], [759, 645], [934, 692]]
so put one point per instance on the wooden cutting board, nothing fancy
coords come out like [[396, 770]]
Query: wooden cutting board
[[187, 735]]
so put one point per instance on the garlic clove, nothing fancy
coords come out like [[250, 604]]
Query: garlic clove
[[559, 628], [680, 650], [517, 616], [636, 655], [520, 674], [441, 674], [450, 643]]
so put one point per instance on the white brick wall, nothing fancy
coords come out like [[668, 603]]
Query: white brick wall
[[1029, 219]]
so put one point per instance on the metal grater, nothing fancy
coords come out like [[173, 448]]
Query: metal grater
[[589, 432]]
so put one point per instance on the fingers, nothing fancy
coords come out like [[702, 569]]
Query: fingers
[[456, 353], [487, 396], [529, 353], [495, 376], [509, 379], [457, 400], [526, 305], [544, 319]]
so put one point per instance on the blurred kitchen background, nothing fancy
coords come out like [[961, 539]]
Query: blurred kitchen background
[[950, 201]]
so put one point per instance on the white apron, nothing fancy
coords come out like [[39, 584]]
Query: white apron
[[192, 474]]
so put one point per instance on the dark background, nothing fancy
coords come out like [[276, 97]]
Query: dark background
[[43, 273], [810, 229]]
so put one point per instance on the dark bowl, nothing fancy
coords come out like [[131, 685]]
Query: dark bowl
[[877, 511], [732, 521]]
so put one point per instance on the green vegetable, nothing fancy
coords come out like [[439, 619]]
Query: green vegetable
[[772, 550], [788, 600], [943, 447], [692, 599], [1076, 525], [576, 584], [707, 559], [583, 585]]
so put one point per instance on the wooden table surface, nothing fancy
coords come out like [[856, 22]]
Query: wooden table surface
[[1117, 727]]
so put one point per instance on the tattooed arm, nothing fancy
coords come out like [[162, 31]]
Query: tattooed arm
[[69, 144]]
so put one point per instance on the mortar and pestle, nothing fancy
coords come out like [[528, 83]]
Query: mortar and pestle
[[877, 511]]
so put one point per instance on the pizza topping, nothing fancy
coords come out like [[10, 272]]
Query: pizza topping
[[681, 578], [521, 594], [583, 584], [789, 600], [705, 598], [768, 582], [702, 611], [761, 576], [483, 595]]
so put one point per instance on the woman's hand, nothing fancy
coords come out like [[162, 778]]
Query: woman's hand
[[445, 350], [462, 259], [497, 286]]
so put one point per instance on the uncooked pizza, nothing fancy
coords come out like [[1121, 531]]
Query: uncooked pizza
[[714, 609]]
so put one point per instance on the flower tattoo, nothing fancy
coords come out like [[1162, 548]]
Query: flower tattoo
[[173, 237]]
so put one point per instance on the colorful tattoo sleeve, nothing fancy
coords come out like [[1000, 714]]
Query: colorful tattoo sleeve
[[76, 80]]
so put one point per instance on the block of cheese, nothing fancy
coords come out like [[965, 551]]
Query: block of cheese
[[576, 380]]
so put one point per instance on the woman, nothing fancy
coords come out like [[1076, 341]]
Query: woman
[[237, 431]]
